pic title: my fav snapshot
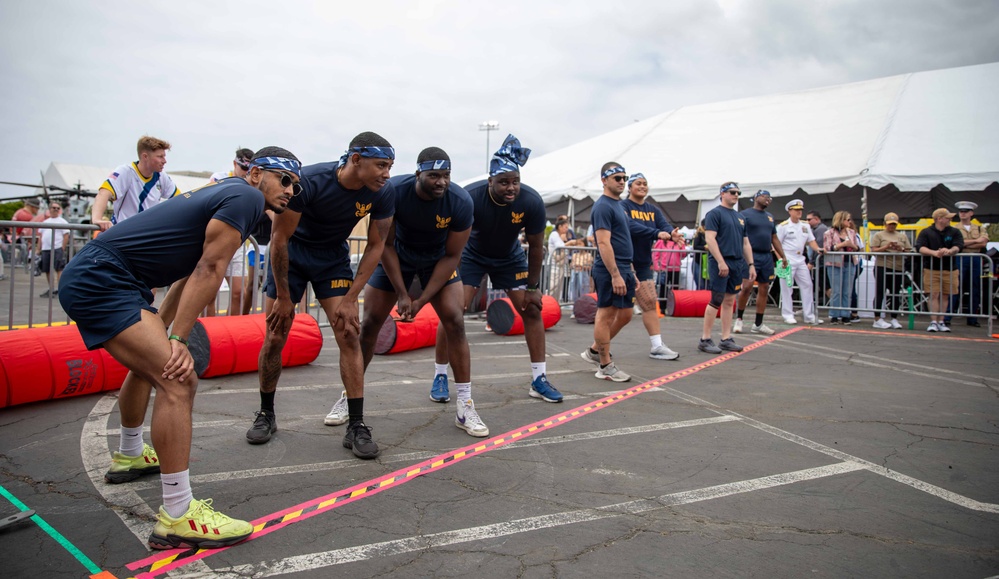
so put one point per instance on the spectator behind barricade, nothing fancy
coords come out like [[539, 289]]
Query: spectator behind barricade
[[133, 188], [666, 264], [840, 268], [861, 246], [569, 234], [559, 259], [939, 244], [969, 267], [53, 242], [582, 263], [815, 259], [235, 272], [889, 271], [699, 261], [22, 235]]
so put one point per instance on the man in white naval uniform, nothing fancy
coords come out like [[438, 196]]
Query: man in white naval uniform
[[795, 235]]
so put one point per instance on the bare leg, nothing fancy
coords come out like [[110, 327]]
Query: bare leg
[[449, 305]]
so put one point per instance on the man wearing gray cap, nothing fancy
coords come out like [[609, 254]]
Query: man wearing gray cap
[[969, 267], [795, 235]]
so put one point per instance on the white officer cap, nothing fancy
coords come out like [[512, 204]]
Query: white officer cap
[[794, 204], [966, 205]]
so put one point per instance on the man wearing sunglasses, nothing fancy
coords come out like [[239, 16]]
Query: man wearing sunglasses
[[309, 246], [107, 290], [612, 274], [134, 188], [234, 273], [730, 263]]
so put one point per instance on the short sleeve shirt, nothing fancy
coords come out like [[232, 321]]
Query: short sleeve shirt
[[933, 238], [422, 227], [645, 221], [730, 228], [609, 214], [132, 192], [760, 228], [891, 260], [495, 227]]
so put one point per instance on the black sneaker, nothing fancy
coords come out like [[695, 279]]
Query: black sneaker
[[729, 345], [358, 439], [264, 425]]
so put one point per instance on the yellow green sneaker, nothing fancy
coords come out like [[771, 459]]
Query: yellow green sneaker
[[201, 526], [127, 468]]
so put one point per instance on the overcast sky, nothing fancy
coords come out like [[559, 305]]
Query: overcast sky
[[80, 82]]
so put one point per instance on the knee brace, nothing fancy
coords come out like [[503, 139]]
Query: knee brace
[[716, 299]]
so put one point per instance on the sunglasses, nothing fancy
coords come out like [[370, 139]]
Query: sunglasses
[[244, 165], [735, 192], [286, 181], [620, 178]]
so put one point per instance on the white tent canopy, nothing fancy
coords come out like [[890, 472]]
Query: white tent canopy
[[914, 131]]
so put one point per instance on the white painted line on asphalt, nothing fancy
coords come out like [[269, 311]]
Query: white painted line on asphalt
[[418, 456], [852, 357], [926, 369], [915, 483], [313, 561]]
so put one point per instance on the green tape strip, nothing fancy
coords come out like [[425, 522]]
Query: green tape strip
[[83, 559]]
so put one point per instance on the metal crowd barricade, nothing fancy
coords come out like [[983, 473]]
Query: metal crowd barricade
[[897, 285]]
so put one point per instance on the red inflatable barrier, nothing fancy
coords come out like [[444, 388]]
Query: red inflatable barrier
[[504, 319], [584, 309], [226, 345], [47, 363], [396, 336], [689, 303]]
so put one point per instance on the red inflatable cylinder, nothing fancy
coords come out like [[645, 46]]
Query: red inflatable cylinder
[[396, 336], [690, 303], [47, 363], [584, 309], [504, 319], [226, 345]]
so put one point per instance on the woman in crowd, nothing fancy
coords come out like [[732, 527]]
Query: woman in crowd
[[841, 237]]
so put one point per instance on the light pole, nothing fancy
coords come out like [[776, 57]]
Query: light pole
[[488, 126]]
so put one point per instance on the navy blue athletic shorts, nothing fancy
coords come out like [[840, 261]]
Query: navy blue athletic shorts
[[328, 270], [643, 272], [98, 291], [764, 263], [505, 274], [606, 297], [737, 271], [380, 280]]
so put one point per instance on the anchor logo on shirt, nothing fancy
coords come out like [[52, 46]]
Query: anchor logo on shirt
[[362, 210], [443, 222], [517, 217]]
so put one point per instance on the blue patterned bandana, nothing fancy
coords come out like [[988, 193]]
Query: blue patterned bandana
[[278, 164], [510, 157], [729, 187], [369, 152], [434, 166], [613, 171], [634, 178]]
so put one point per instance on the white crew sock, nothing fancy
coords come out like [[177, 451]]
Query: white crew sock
[[464, 391], [131, 441], [537, 369], [440, 369], [656, 340], [177, 494]]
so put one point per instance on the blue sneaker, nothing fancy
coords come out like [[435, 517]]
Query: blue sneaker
[[439, 392], [543, 389]]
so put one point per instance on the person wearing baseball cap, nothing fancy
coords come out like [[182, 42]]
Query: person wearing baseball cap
[[889, 271], [795, 235], [940, 243], [969, 267]]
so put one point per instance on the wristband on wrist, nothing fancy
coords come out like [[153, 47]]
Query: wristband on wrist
[[178, 338], [752, 265], [533, 287]]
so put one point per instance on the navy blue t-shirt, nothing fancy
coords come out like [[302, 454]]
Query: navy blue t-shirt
[[730, 228], [164, 243], [330, 212], [495, 227], [421, 227], [609, 214], [760, 229], [645, 221]]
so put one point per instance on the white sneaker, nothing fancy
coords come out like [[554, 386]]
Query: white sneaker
[[611, 373], [468, 420], [338, 414], [762, 329], [663, 353], [590, 356], [792, 321], [737, 326], [943, 327], [881, 324], [932, 327], [895, 325]]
